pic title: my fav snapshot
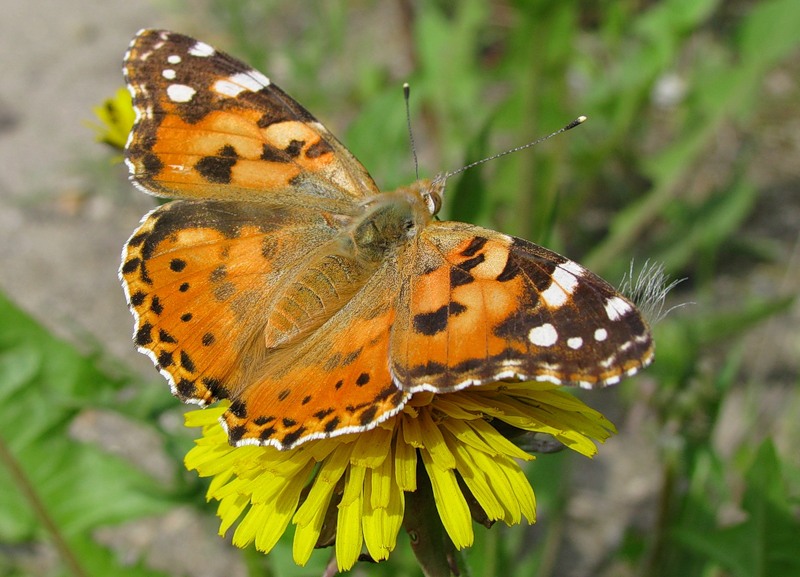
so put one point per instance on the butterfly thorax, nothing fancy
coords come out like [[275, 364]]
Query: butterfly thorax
[[338, 270]]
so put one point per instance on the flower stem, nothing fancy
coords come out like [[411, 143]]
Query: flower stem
[[432, 546], [40, 510]]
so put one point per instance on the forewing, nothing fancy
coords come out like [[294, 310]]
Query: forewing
[[481, 306], [209, 126]]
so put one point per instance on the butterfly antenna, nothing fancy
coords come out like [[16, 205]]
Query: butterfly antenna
[[570, 126], [407, 97]]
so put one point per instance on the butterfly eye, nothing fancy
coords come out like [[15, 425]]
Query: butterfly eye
[[436, 202]]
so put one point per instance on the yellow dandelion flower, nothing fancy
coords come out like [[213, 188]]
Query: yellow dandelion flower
[[355, 491], [116, 117]]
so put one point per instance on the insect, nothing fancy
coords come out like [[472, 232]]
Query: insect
[[281, 277]]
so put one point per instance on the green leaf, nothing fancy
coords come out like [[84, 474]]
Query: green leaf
[[49, 483], [769, 33], [466, 201], [765, 544], [705, 228]]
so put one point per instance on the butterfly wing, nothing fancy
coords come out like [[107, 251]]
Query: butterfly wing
[[333, 382], [202, 278], [481, 306], [209, 126]]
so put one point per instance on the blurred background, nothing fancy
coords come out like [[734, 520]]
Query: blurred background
[[690, 158]]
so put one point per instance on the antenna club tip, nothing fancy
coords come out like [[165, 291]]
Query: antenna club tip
[[576, 122], [406, 89]]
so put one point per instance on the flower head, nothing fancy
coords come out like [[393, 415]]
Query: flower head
[[352, 490], [116, 117]]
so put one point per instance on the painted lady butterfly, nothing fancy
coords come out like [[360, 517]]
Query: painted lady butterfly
[[284, 280]]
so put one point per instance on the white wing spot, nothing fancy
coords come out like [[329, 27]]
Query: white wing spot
[[227, 88], [253, 80], [573, 267], [564, 281], [608, 362], [543, 336], [554, 296], [174, 59], [169, 74], [616, 308], [202, 50], [233, 86], [575, 343], [600, 335], [180, 92], [552, 367]]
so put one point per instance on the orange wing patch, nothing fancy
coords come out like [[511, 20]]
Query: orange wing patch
[[228, 149], [336, 382]]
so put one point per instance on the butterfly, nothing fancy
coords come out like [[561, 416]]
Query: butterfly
[[282, 279]]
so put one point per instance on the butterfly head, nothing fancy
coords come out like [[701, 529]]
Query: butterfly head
[[391, 219]]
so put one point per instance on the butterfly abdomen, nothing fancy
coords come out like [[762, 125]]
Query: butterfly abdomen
[[338, 270]]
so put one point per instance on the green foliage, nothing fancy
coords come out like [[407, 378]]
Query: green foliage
[[53, 488], [764, 543], [631, 182]]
